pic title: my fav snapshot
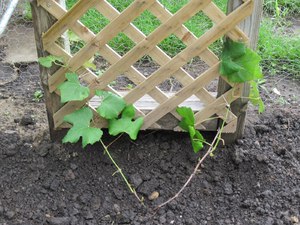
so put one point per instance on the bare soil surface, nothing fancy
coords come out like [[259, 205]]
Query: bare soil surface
[[254, 181]]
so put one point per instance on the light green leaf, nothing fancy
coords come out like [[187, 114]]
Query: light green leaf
[[125, 125], [255, 98], [111, 105], [233, 49], [72, 90], [196, 138], [188, 118], [49, 60], [128, 111], [81, 120], [240, 64]]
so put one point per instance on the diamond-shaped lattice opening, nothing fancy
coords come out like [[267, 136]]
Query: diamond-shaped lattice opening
[[120, 5], [173, 5], [170, 86], [146, 22], [195, 67], [172, 45], [199, 24], [146, 66], [97, 64], [94, 20], [121, 44], [146, 104], [122, 83], [70, 41]]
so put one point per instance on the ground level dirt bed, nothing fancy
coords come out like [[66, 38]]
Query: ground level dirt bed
[[254, 181]]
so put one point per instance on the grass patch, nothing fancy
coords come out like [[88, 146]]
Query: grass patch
[[279, 50]]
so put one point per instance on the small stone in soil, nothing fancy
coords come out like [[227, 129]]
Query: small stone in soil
[[27, 120], [228, 189], [88, 215], [154, 195], [69, 175], [9, 214], [294, 219], [136, 180], [59, 221]]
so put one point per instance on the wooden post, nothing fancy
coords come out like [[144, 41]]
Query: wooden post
[[42, 21], [251, 28]]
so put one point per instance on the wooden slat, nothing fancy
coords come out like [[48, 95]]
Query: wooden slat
[[62, 25], [104, 36], [216, 15]]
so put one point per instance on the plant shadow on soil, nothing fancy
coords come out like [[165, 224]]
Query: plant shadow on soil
[[254, 181]]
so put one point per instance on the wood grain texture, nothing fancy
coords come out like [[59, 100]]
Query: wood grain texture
[[42, 21]]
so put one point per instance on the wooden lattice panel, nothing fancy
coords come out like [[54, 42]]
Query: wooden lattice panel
[[193, 93]]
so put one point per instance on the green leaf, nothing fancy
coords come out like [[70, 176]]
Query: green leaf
[[81, 120], [72, 90], [49, 60], [126, 124], [111, 105], [196, 138], [254, 96], [240, 64], [233, 49], [128, 111], [188, 118]]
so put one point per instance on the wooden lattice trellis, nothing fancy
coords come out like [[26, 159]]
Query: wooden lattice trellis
[[161, 115]]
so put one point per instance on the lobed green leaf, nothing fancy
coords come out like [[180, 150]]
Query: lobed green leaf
[[111, 105], [126, 124], [72, 90], [81, 120], [188, 118]]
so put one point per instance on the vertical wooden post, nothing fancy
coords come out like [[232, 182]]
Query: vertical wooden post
[[251, 28], [42, 21]]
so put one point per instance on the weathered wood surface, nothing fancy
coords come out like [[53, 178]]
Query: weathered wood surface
[[157, 107], [42, 21], [251, 28]]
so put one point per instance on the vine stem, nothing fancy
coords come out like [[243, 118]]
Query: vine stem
[[119, 170], [211, 149]]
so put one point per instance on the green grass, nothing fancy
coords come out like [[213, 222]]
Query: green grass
[[279, 50]]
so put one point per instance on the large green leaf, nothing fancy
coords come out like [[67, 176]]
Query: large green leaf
[[240, 64], [126, 124], [81, 120], [49, 60], [188, 118], [72, 90], [111, 105]]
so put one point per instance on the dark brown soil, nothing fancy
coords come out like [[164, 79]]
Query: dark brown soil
[[254, 181]]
